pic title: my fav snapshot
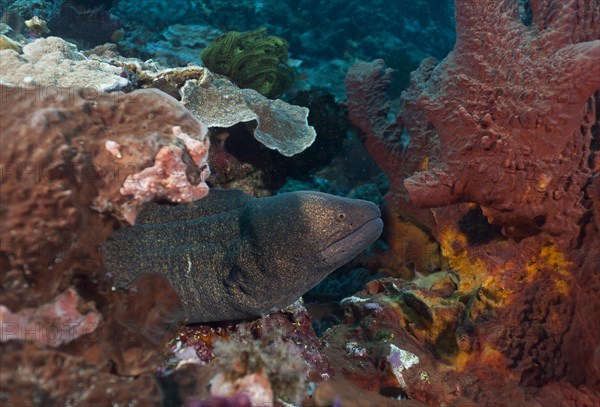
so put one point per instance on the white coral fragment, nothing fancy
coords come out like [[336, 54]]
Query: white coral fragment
[[401, 360], [114, 148]]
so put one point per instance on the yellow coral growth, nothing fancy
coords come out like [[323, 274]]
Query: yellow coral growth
[[462, 360], [454, 249], [551, 260], [425, 164], [489, 356], [411, 249]]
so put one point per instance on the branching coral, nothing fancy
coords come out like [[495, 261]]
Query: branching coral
[[251, 60]]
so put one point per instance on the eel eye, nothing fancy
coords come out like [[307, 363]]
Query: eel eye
[[341, 216]]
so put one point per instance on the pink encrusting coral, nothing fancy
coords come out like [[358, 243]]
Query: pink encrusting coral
[[168, 178], [198, 149], [52, 324]]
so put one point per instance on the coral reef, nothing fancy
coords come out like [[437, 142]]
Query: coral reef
[[501, 132], [8, 43], [86, 23], [251, 60], [404, 33], [155, 13], [57, 174], [50, 377], [172, 34], [37, 26], [138, 326], [180, 43], [51, 324], [54, 62], [128, 341], [168, 178], [214, 100], [385, 345], [277, 366], [219, 103], [74, 163], [485, 288], [281, 347], [27, 9]]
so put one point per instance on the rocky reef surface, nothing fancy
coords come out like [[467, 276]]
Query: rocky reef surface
[[484, 291]]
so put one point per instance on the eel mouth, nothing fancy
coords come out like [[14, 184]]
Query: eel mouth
[[349, 246]]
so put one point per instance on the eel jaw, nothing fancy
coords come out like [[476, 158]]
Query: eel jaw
[[345, 249]]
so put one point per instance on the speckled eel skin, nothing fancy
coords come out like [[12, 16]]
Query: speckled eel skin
[[230, 256]]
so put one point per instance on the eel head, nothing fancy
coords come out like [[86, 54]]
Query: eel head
[[299, 238]]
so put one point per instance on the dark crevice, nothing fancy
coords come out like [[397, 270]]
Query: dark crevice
[[540, 220], [393, 392], [595, 130], [525, 12], [588, 216], [476, 227], [585, 219]]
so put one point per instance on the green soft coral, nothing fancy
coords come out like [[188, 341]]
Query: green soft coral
[[252, 60]]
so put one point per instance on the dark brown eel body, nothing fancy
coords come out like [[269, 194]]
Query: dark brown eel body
[[231, 256]]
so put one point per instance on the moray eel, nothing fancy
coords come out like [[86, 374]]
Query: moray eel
[[230, 256]]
